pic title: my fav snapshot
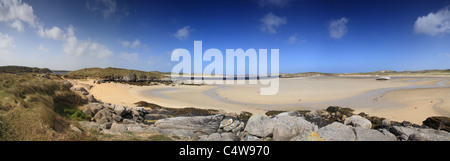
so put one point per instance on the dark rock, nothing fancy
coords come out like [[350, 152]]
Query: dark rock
[[333, 109], [406, 123], [438, 122], [103, 116]]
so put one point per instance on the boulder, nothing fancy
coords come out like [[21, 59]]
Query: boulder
[[205, 124], [240, 127], [319, 118], [103, 116], [259, 125], [388, 134], [88, 112], [95, 107], [307, 136], [91, 98], [120, 110], [337, 132], [438, 122], [386, 123], [116, 118], [363, 134], [219, 137], [232, 126], [89, 125], [118, 127], [72, 127], [226, 122], [290, 126], [249, 137], [358, 121], [179, 132], [142, 128]]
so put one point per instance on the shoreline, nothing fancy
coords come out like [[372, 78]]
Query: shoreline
[[414, 109]]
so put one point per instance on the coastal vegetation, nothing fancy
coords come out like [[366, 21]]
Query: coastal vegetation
[[113, 74]]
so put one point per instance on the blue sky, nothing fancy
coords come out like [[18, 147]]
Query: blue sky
[[321, 36]]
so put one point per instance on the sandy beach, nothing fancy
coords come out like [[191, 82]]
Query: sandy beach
[[403, 98]]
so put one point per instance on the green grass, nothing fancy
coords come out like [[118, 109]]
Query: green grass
[[111, 73], [33, 108]]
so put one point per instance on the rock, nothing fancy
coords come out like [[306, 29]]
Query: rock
[[333, 109], [120, 110], [103, 116], [292, 113], [358, 121], [180, 133], [337, 132], [438, 122], [433, 135], [91, 98], [290, 126], [363, 134], [233, 125], [90, 125], [154, 116], [259, 125], [74, 128], [240, 127], [406, 123], [319, 118], [118, 127], [307, 136], [387, 134], [142, 128], [88, 112], [95, 107], [399, 130], [128, 121], [206, 124], [226, 122], [417, 137], [116, 118], [251, 138], [386, 123], [219, 137]]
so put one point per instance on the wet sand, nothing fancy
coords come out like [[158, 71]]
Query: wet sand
[[404, 98]]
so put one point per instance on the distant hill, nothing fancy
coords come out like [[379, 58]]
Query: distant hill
[[113, 73], [22, 69]]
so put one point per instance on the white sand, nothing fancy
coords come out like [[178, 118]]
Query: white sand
[[295, 93]]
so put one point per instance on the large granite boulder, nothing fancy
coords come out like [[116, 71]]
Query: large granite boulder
[[358, 121], [205, 124], [307, 136], [260, 125], [288, 126], [337, 132], [103, 116], [363, 134]]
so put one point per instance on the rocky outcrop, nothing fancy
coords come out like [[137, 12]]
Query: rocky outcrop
[[438, 122], [204, 124], [261, 126]]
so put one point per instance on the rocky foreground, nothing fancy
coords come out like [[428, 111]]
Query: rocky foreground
[[333, 124]]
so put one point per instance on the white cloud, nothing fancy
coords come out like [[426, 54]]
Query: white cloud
[[338, 28], [434, 24], [41, 48], [183, 33], [131, 57], [14, 12], [54, 33], [107, 7], [17, 25], [6, 41], [292, 39], [136, 43], [271, 22], [73, 46]]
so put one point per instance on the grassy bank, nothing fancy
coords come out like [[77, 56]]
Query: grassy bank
[[35, 108], [111, 73]]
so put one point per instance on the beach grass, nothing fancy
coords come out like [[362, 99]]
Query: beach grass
[[111, 73]]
